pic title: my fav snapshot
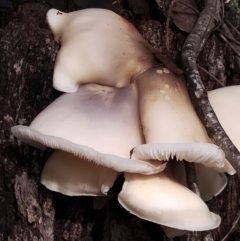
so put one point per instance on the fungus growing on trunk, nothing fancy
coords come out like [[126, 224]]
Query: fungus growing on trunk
[[99, 40], [161, 199], [96, 123], [170, 125]]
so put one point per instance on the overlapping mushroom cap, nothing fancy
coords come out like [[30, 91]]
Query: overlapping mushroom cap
[[169, 126], [161, 199], [65, 173], [96, 123], [97, 46], [169, 122]]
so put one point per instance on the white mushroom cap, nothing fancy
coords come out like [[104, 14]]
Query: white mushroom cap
[[65, 173], [159, 198], [97, 46], [226, 104], [170, 124], [97, 123]]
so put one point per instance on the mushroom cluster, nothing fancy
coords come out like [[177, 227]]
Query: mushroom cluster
[[119, 114]]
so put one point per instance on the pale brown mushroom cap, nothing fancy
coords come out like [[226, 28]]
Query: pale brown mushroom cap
[[169, 122], [97, 123], [65, 173], [160, 199], [111, 52]]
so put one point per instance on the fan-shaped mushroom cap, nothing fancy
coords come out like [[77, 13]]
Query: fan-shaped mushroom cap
[[159, 198], [97, 123], [170, 124], [97, 46], [65, 173], [226, 104]]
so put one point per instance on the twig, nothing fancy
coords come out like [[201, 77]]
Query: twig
[[226, 30], [191, 48], [191, 177], [167, 23], [222, 17], [189, 6], [235, 222], [212, 76], [228, 37], [230, 45], [231, 26], [166, 61]]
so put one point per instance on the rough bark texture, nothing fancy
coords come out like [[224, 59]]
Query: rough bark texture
[[28, 211]]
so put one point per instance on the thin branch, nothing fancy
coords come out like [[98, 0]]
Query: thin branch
[[189, 6], [231, 26], [234, 225], [222, 16], [230, 45], [212, 76], [167, 23], [166, 61], [235, 222], [233, 40], [191, 48], [191, 177]]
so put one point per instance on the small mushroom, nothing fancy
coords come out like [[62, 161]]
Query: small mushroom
[[97, 46], [161, 199], [170, 124], [65, 173], [96, 123]]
